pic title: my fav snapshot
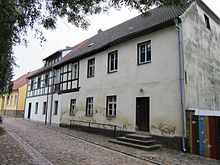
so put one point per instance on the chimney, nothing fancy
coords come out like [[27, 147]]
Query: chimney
[[99, 31]]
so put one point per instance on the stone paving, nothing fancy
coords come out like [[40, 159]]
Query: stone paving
[[11, 153], [66, 146], [60, 148]]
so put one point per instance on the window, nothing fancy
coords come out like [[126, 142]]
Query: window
[[11, 100], [46, 80], [91, 68], [72, 107], [57, 76], [8, 99], [111, 106], [32, 84], [113, 62], [55, 107], [44, 108], [89, 106], [38, 82], [207, 22], [36, 107], [75, 71], [144, 52], [15, 101]]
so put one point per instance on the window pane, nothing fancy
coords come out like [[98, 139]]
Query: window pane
[[148, 55]]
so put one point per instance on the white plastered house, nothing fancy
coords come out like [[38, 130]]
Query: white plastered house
[[142, 74]]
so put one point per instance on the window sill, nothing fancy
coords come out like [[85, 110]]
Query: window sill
[[109, 72], [90, 76], [144, 63], [89, 115]]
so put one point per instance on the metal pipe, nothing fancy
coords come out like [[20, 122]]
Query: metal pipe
[[51, 103], [181, 74], [48, 82]]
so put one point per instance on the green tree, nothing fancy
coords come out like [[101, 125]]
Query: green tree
[[19, 16]]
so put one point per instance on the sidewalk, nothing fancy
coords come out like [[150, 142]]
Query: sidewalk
[[11, 153], [161, 156]]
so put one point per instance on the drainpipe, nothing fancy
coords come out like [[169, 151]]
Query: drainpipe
[[48, 82], [181, 74], [51, 103]]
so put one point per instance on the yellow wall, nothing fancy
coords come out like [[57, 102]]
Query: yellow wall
[[10, 102], [16, 100], [22, 97]]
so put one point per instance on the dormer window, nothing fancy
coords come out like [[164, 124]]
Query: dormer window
[[207, 23]]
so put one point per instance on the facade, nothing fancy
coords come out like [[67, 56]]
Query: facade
[[13, 104], [141, 75]]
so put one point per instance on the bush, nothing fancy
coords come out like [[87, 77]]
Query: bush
[[2, 131]]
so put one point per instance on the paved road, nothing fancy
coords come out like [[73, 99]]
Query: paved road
[[28, 142], [46, 146]]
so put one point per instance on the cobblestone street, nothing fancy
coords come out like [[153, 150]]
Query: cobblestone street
[[29, 142]]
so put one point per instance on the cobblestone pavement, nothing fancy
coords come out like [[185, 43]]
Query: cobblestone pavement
[[11, 153], [55, 147], [67, 146]]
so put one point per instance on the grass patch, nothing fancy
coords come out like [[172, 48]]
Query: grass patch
[[2, 131]]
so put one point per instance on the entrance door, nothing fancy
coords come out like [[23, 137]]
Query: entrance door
[[29, 111], [142, 113]]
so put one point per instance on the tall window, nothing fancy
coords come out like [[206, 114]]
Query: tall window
[[55, 107], [46, 80], [144, 52], [32, 84], [36, 107], [75, 71], [15, 101], [72, 107], [91, 68], [111, 106], [207, 22], [89, 106], [11, 100], [44, 108], [38, 82], [113, 61]]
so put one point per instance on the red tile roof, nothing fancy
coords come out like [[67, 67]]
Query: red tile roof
[[20, 81]]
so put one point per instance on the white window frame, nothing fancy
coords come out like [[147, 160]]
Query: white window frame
[[147, 52], [75, 71], [91, 68], [72, 107], [111, 106], [113, 60], [89, 106]]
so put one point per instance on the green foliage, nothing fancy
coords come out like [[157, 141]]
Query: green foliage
[[2, 131], [18, 16]]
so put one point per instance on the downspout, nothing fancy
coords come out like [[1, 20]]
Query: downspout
[[181, 75], [51, 103], [17, 102], [47, 99]]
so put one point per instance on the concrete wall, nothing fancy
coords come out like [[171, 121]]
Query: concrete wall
[[39, 116], [202, 60], [158, 79]]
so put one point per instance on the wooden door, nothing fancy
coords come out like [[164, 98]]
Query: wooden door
[[142, 113]]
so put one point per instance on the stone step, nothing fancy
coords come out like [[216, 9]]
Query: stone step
[[138, 136], [136, 141], [143, 147]]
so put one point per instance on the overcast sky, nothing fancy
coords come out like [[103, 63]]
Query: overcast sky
[[30, 58]]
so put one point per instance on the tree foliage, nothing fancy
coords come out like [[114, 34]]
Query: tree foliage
[[18, 16]]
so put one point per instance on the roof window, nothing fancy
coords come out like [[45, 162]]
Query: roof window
[[207, 23], [91, 44]]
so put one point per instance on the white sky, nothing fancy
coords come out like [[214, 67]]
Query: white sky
[[30, 58]]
